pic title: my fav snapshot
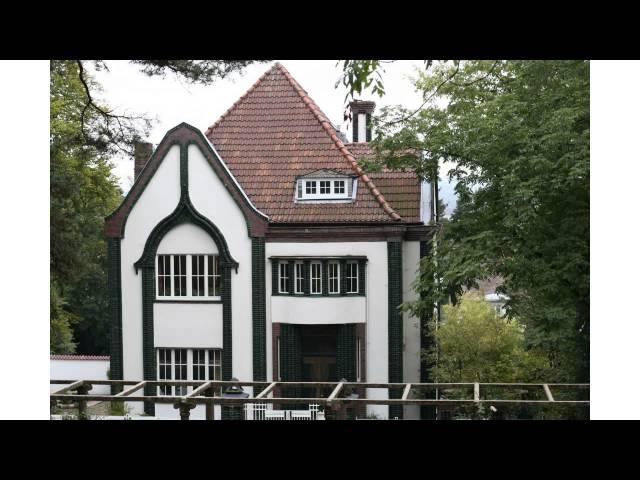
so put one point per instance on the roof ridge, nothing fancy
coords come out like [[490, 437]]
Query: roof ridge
[[237, 102], [328, 127]]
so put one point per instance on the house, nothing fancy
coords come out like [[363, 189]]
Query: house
[[260, 250]]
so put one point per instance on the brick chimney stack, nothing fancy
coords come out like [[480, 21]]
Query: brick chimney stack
[[141, 154], [361, 111]]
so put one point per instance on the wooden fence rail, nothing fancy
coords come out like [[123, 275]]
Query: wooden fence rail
[[205, 393]]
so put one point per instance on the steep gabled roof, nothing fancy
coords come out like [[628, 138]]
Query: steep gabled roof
[[275, 133]]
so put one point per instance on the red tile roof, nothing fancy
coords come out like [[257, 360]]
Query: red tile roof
[[274, 133], [400, 188]]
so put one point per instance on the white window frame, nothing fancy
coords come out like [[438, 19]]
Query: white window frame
[[298, 278], [324, 185], [213, 368], [282, 276], [343, 187], [208, 277], [351, 277], [308, 185], [331, 278], [330, 193], [317, 279]]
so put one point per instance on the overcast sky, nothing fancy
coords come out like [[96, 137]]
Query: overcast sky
[[172, 101]]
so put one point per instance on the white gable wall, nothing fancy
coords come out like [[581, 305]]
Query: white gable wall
[[159, 199], [210, 197]]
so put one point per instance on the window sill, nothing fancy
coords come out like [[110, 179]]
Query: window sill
[[188, 300]]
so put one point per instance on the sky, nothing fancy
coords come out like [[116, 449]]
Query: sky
[[171, 101]]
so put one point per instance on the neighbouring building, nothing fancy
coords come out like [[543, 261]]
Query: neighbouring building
[[260, 250]]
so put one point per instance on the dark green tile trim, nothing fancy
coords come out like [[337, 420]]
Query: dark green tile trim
[[290, 358], [394, 260], [259, 309], [355, 126], [306, 274], [115, 307], [227, 334], [362, 278], [325, 278], [148, 350], [275, 278], [292, 280], [346, 352]]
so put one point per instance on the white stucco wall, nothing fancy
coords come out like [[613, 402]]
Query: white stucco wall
[[319, 310], [376, 305], [159, 199], [210, 197], [189, 325], [80, 370], [187, 239], [411, 325]]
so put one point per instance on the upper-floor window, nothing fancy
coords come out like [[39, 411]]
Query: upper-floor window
[[352, 277], [334, 277], [283, 277], [299, 274], [316, 278], [338, 186], [188, 276]]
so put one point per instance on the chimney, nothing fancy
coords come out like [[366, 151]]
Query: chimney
[[361, 111], [141, 154]]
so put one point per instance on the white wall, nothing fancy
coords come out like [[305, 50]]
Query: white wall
[[210, 197], [159, 199], [188, 325], [376, 306], [80, 370], [319, 310], [411, 330], [187, 238]]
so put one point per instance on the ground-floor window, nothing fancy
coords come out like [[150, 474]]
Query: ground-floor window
[[187, 364]]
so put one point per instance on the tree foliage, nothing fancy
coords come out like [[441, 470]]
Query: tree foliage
[[84, 134], [518, 133], [475, 344]]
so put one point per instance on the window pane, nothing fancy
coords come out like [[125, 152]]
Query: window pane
[[325, 187], [338, 186], [311, 188]]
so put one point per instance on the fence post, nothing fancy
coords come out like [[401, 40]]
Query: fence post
[[82, 403], [185, 409], [209, 411]]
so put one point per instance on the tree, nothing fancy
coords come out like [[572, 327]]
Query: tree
[[84, 133], [475, 344], [112, 132], [518, 133]]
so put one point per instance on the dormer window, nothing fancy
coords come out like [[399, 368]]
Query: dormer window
[[335, 186], [310, 187]]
